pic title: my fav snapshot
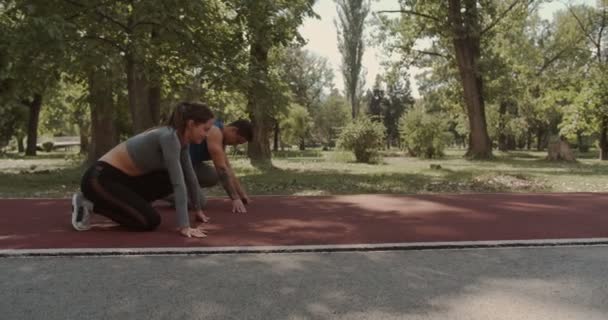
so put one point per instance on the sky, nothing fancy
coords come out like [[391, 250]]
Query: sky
[[322, 38]]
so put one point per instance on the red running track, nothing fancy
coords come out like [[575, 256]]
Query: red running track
[[356, 219]]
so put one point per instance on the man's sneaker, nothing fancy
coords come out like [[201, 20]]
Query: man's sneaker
[[81, 212]]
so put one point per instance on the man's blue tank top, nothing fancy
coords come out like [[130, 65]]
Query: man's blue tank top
[[199, 152]]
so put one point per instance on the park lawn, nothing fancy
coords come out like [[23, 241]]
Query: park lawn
[[325, 173]]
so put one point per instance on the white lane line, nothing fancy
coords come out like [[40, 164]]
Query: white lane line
[[296, 248]]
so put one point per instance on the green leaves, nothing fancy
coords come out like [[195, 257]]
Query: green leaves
[[352, 15], [424, 134], [333, 114], [364, 138], [297, 125]]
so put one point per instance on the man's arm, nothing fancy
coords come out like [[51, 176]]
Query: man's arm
[[220, 161], [215, 147], [235, 182]]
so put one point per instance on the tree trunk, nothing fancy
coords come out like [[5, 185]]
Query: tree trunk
[[559, 150], [506, 141], [20, 145], [259, 148], [139, 95], [466, 41], [103, 128], [154, 97], [258, 103], [511, 142], [502, 137], [580, 140], [32, 126], [603, 143], [521, 144], [275, 146], [85, 132], [154, 89], [302, 144], [539, 139]]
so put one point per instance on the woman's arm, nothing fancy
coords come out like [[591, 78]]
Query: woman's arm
[[171, 150], [191, 179]]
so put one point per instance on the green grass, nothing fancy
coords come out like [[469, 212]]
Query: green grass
[[54, 174], [323, 173]]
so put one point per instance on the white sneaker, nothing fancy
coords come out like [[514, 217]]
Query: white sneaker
[[81, 212]]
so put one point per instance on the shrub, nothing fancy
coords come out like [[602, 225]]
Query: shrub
[[422, 134], [364, 138]]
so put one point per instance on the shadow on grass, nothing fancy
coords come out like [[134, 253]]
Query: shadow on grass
[[289, 182], [579, 168], [523, 173], [527, 163]]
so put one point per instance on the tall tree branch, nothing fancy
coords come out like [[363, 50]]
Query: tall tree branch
[[84, 10], [558, 55], [111, 19], [149, 23], [600, 35], [415, 13], [503, 15], [108, 41], [582, 26], [432, 53]]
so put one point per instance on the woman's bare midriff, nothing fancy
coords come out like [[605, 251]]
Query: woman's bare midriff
[[119, 158]]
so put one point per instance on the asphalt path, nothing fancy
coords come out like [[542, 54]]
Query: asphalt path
[[500, 283]]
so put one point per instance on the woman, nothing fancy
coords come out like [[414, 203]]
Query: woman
[[149, 166]]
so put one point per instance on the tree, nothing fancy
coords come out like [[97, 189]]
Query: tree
[[541, 63], [351, 16], [35, 49], [458, 30], [375, 98], [424, 134], [67, 113], [593, 22], [334, 114], [157, 42], [269, 23], [398, 98], [364, 138], [297, 126], [147, 48], [306, 76]]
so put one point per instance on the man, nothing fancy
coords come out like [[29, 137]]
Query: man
[[213, 149]]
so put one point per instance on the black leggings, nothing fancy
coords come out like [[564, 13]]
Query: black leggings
[[126, 199]]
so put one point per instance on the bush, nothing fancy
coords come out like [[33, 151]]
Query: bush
[[422, 134], [364, 138], [48, 146], [296, 127]]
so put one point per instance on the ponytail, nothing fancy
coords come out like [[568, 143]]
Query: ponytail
[[184, 111]]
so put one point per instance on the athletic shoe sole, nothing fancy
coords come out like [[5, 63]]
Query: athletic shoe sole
[[79, 214]]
